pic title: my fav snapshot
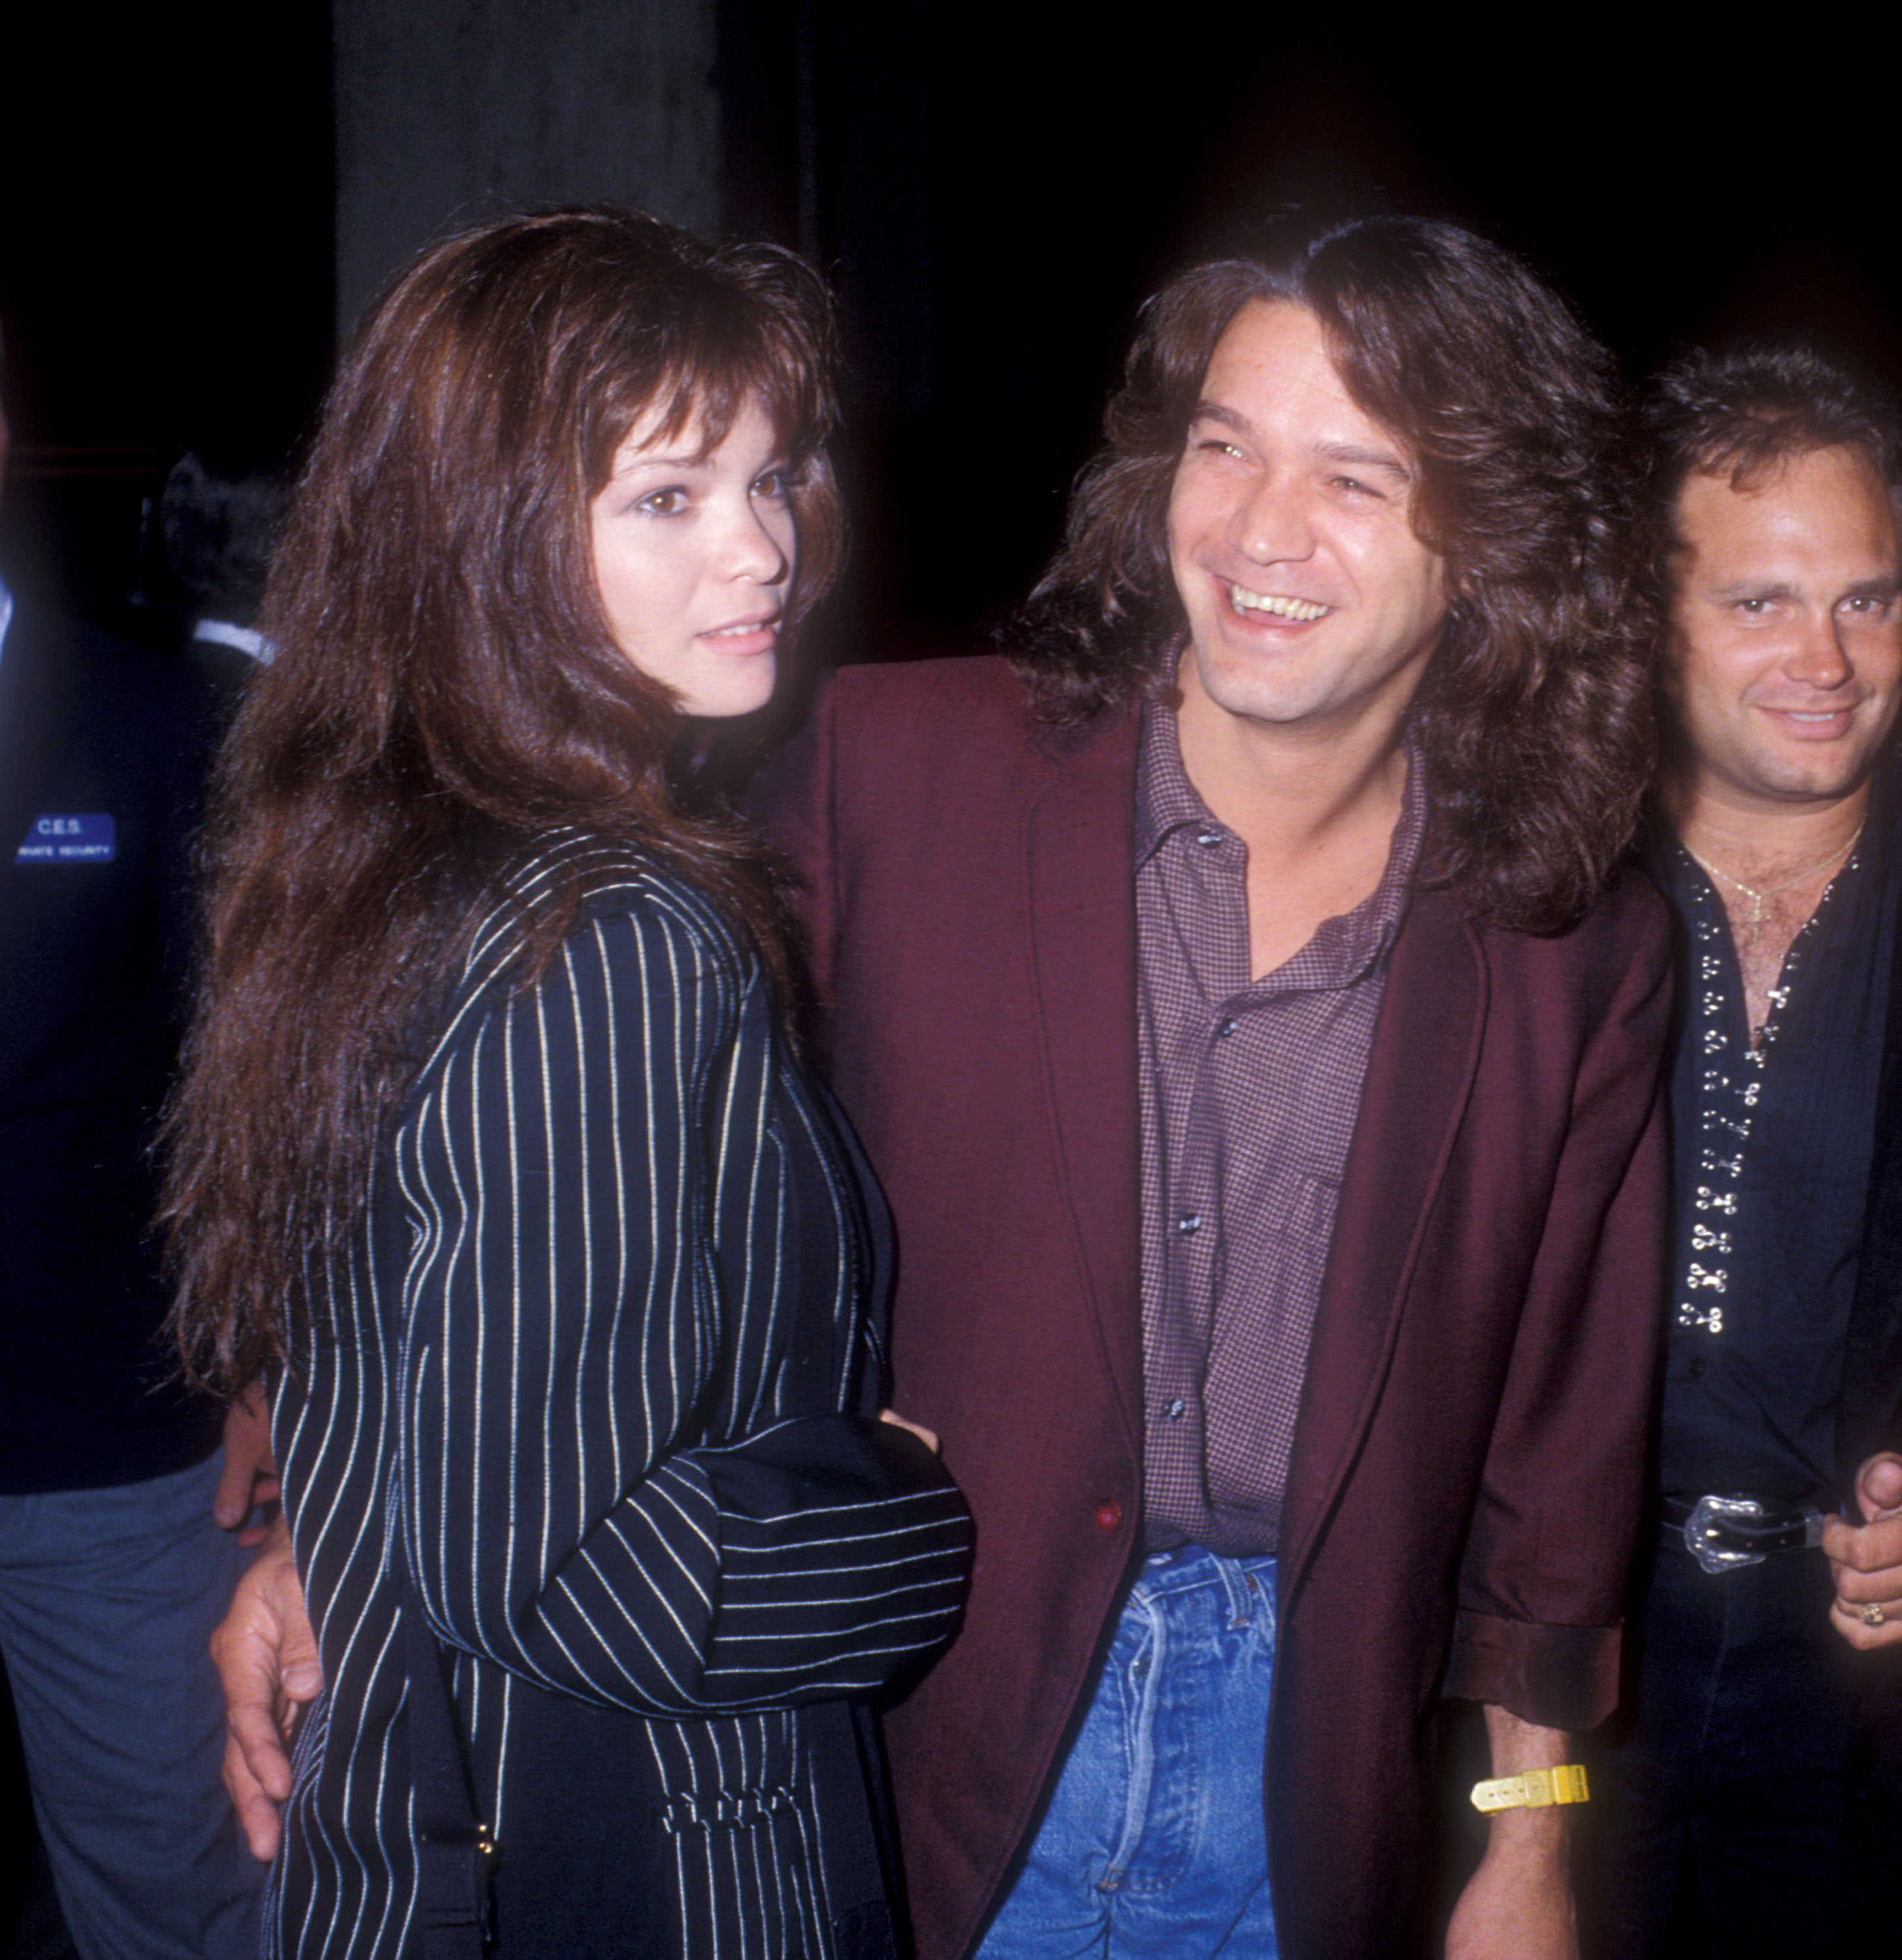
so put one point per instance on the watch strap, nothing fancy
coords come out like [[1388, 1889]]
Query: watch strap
[[1534, 1790]]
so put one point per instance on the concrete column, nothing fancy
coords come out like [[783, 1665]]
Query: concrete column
[[449, 109]]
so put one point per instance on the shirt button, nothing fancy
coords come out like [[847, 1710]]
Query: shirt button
[[1174, 1408], [1225, 1027], [1696, 1371], [1189, 1223], [1109, 1515], [1208, 839]]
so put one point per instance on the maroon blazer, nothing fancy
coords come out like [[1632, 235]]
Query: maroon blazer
[[1469, 1458]]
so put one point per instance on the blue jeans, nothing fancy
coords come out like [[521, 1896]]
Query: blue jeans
[[1155, 1841], [107, 1600]]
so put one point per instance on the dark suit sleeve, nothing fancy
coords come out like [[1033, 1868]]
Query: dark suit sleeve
[[1566, 1470], [566, 1339]]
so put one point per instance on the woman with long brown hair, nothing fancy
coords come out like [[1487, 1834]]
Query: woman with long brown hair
[[492, 1152]]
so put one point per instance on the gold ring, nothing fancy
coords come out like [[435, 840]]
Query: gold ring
[[1873, 1615]]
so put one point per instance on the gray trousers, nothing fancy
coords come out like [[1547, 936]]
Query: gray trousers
[[107, 1601]]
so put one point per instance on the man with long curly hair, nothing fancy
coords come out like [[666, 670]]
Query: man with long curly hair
[[1238, 994]]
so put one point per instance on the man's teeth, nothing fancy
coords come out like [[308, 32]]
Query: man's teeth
[[1246, 601]]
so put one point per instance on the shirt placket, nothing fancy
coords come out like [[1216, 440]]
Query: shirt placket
[[1727, 1102], [1195, 1214], [1720, 1162], [1193, 1193]]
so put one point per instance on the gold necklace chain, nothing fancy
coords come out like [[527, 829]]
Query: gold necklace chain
[[1759, 895]]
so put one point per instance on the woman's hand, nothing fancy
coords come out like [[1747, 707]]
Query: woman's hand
[[927, 1437]]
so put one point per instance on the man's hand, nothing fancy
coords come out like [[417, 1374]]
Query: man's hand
[[1518, 1905], [1867, 1558], [267, 1663], [249, 1477]]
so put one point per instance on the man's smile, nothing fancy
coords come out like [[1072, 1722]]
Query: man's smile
[[1244, 601], [1813, 723]]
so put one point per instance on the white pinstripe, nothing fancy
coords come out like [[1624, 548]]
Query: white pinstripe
[[608, 1266]]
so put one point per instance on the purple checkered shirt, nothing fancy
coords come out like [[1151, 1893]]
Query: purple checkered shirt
[[1250, 1089]]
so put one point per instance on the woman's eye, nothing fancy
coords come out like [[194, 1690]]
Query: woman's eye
[[774, 486], [1356, 486], [668, 503]]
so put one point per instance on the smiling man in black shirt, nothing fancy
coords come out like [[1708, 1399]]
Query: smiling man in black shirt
[[1778, 841]]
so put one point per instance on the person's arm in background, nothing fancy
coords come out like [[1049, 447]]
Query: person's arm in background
[[249, 1477]]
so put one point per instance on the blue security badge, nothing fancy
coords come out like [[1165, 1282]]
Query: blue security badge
[[68, 840]]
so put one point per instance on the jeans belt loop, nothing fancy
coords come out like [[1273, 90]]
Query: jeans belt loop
[[1235, 1586]]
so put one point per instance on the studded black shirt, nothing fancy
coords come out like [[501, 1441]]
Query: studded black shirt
[[1771, 1149]]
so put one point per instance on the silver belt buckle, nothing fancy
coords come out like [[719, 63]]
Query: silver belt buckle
[[1712, 1512]]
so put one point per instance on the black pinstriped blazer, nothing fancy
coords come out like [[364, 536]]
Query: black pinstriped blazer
[[606, 1375]]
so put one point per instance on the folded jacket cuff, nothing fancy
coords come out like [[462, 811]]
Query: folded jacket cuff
[[1557, 1677]]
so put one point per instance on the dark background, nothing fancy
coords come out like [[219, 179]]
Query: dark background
[[165, 264], [993, 186]]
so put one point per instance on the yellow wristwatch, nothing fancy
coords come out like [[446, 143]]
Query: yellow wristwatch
[[1534, 1790]]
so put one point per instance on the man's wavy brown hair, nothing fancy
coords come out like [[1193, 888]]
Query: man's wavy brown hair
[[445, 689], [1535, 719], [1742, 411]]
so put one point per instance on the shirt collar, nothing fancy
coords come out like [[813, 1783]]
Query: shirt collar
[[1167, 802]]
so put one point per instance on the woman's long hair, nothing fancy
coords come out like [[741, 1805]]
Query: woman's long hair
[[444, 687], [1534, 719]]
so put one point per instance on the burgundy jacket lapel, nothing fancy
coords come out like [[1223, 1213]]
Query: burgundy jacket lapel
[[1426, 1054], [1080, 867]]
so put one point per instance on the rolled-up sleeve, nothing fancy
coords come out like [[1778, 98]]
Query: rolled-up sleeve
[[1543, 1578]]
